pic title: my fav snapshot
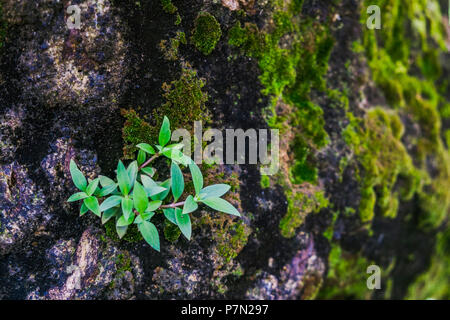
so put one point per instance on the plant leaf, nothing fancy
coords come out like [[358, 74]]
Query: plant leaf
[[177, 156], [121, 231], [150, 234], [189, 205], [92, 204], [162, 195], [169, 213], [149, 171], [105, 181], [151, 187], [132, 173], [197, 177], [92, 187], [107, 190], [110, 202], [83, 209], [214, 191], [177, 181], [142, 156], [127, 207], [108, 214], [184, 223], [154, 205], [77, 176], [221, 205], [164, 133], [146, 148], [123, 221], [77, 196], [146, 216], [140, 198], [123, 178]]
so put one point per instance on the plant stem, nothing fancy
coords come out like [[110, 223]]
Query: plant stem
[[146, 163], [173, 205]]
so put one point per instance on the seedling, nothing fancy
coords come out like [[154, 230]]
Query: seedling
[[134, 197]]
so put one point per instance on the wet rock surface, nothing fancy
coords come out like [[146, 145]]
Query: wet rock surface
[[61, 92]]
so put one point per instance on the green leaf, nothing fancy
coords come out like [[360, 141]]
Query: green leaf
[[83, 209], [154, 205], [92, 204], [214, 191], [150, 234], [169, 213], [77, 176], [127, 207], [177, 156], [107, 190], [146, 216], [132, 173], [189, 205], [221, 205], [151, 187], [140, 198], [108, 214], [164, 133], [92, 187], [197, 177], [162, 195], [142, 156], [175, 146], [105, 181], [110, 202], [149, 171], [123, 178], [177, 181], [121, 231], [184, 223], [77, 196], [124, 221], [146, 148]]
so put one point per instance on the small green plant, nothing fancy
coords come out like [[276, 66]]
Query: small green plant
[[135, 197]]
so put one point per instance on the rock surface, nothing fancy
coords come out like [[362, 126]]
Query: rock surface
[[306, 232]]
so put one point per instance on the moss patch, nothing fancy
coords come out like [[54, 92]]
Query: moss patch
[[206, 33]]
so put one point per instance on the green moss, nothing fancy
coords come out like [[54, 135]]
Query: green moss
[[185, 103], [265, 182], [169, 48], [393, 56], [206, 33], [300, 204], [185, 100], [171, 231], [135, 131], [431, 284], [290, 72], [376, 142], [346, 278], [168, 6], [232, 240], [133, 235]]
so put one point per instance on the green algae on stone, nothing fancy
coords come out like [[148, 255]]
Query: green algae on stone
[[135, 131], [206, 33]]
